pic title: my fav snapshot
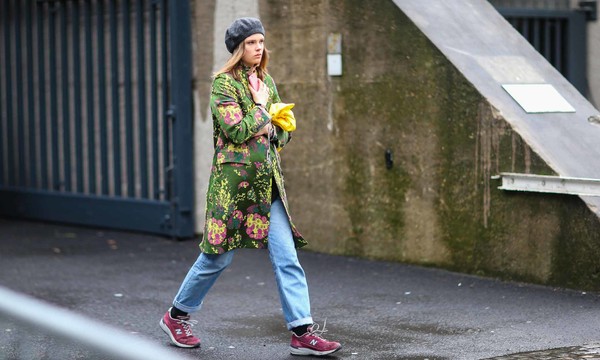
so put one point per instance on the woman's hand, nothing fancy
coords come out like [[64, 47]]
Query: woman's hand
[[262, 95]]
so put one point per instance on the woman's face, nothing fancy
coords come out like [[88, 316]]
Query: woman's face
[[254, 46]]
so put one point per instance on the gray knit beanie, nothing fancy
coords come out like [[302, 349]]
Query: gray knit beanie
[[240, 29]]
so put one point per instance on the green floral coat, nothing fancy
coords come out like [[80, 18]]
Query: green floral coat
[[239, 190]]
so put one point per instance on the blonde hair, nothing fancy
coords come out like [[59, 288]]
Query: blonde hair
[[234, 64]]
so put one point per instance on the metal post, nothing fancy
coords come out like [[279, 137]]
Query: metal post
[[141, 101], [102, 103], [577, 35], [128, 118], [65, 100], [90, 113], [115, 97], [181, 97]]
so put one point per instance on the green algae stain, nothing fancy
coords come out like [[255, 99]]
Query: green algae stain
[[390, 100], [373, 193]]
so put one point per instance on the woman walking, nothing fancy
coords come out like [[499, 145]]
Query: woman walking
[[246, 201]]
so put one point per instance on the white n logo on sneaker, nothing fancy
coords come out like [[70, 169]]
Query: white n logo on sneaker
[[178, 331], [314, 342]]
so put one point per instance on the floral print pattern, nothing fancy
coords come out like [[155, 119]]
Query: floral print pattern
[[239, 190], [257, 226], [215, 231]]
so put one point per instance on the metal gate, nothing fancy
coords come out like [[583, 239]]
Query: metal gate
[[556, 30], [96, 113]]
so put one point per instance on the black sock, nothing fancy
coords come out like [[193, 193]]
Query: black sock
[[300, 330], [175, 312]]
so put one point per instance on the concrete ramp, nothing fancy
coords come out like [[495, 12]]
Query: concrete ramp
[[490, 52]]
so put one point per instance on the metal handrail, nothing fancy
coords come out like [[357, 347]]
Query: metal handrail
[[68, 325]]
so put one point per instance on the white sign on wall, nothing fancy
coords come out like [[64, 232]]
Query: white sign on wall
[[334, 54], [538, 98]]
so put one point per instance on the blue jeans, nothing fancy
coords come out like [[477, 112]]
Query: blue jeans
[[290, 277]]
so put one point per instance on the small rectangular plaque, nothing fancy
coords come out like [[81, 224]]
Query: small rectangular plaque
[[334, 64], [538, 98]]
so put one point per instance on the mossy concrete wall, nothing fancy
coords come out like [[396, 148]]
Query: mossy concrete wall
[[437, 205]]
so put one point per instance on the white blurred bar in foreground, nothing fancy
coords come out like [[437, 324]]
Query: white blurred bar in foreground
[[105, 340]]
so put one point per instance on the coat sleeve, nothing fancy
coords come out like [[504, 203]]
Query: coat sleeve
[[225, 106], [283, 137]]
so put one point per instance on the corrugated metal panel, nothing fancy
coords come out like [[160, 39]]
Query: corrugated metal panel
[[85, 92]]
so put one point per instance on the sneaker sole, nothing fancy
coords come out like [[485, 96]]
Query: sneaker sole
[[164, 328], [306, 351]]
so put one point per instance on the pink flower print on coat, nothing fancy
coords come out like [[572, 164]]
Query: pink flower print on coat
[[243, 185], [257, 226], [216, 231], [232, 115]]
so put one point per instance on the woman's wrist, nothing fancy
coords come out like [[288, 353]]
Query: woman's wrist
[[263, 108]]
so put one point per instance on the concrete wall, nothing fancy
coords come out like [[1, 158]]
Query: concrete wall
[[437, 205]]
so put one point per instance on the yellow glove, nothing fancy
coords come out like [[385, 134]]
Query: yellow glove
[[282, 116]]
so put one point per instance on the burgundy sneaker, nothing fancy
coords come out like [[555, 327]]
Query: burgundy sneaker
[[311, 343], [179, 330]]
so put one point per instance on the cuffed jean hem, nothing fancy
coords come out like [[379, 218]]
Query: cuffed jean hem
[[300, 322], [186, 309]]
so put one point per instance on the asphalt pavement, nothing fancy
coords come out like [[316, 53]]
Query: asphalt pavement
[[377, 310]]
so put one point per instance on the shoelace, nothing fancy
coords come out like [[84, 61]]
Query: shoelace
[[314, 330], [187, 325]]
